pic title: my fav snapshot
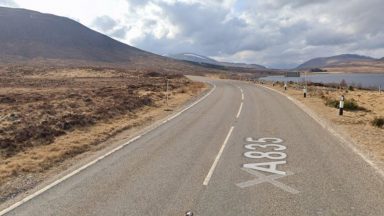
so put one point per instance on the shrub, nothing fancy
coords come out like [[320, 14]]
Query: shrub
[[378, 122], [351, 88], [153, 74], [332, 102], [353, 106], [343, 84], [350, 105]]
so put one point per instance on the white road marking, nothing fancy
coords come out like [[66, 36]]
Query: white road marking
[[239, 112], [53, 184], [209, 175], [242, 92], [326, 125], [261, 178]]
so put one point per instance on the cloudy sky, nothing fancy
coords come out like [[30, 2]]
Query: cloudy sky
[[275, 33]]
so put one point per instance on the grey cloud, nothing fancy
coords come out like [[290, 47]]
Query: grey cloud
[[138, 2], [104, 23], [298, 3], [120, 32], [8, 3], [150, 23], [370, 42], [165, 45], [110, 26], [295, 29], [280, 33], [328, 37], [366, 16], [211, 29]]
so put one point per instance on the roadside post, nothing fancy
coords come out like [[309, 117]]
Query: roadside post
[[189, 213], [285, 86], [305, 84], [166, 93], [379, 89], [341, 105]]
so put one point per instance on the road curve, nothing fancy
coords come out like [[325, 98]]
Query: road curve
[[244, 150]]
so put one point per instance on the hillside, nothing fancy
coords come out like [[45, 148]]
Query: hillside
[[44, 40], [192, 57], [334, 60], [29, 34]]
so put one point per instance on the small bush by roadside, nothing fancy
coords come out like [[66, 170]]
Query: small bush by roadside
[[349, 105], [378, 122]]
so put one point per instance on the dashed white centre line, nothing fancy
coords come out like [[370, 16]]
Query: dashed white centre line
[[239, 112], [241, 105], [209, 175]]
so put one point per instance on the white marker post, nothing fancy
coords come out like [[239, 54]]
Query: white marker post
[[341, 105], [189, 213], [285, 86], [166, 94], [305, 84]]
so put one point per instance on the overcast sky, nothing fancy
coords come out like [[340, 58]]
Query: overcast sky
[[275, 33]]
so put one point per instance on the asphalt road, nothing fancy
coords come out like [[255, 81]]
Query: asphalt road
[[272, 160]]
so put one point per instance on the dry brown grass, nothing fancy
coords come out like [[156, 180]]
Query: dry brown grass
[[357, 124], [358, 67], [75, 73], [33, 157]]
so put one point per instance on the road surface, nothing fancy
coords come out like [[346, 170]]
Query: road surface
[[243, 150]]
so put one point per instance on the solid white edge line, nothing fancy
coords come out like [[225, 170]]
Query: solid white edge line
[[239, 112], [53, 184], [209, 175], [328, 127]]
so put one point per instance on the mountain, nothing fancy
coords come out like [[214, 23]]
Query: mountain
[[27, 34], [192, 57], [334, 60]]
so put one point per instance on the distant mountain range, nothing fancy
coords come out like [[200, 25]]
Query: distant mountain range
[[32, 37], [334, 60], [192, 57], [28, 34]]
